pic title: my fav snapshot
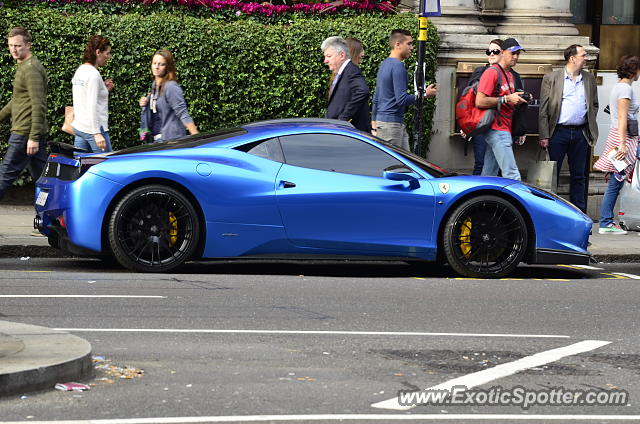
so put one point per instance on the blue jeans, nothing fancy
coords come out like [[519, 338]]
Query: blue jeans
[[571, 142], [87, 141], [609, 201], [15, 159], [479, 150], [499, 155]]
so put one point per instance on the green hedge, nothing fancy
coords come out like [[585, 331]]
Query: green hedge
[[232, 72]]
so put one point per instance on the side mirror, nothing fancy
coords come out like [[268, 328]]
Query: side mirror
[[402, 176]]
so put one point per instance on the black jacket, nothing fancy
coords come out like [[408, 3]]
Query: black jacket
[[349, 100]]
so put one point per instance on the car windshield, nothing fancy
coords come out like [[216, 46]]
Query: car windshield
[[181, 143], [420, 162]]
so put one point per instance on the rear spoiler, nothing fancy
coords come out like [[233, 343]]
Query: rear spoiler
[[65, 149]]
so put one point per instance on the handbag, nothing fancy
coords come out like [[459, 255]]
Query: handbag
[[632, 124], [68, 119], [543, 173], [635, 180], [632, 127]]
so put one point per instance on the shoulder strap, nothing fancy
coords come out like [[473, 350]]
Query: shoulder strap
[[496, 91], [505, 76]]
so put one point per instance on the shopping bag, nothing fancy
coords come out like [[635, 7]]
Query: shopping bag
[[68, 118], [543, 173], [635, 179]]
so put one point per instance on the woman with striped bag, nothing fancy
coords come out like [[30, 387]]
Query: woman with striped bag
[[622, 141]]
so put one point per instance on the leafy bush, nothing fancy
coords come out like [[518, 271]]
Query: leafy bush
[[227, 9], [231, 72]]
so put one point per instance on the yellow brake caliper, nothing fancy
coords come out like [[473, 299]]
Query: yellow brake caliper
[[465, 238], [173, 230]]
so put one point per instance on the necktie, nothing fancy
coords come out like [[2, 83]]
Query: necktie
[[333, 84]]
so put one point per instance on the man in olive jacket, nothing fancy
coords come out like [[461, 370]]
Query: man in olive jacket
[[28, 112], [567, 120]]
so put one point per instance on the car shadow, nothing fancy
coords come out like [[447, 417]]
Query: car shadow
[[364, 269], [322, 268]]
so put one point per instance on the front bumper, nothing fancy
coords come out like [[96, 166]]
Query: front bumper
[[550, 256]]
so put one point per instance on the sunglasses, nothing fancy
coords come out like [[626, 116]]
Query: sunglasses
[[495, 52]]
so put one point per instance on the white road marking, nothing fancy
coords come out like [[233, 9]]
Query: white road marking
[[353, 333], [345, 417], [632, 276], [64, 296], [503, 370]]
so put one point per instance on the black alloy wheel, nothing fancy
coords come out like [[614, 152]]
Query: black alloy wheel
[[153, 228], [485, 237]]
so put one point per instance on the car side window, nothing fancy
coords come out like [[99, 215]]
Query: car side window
[[268, 149], [336, 153]]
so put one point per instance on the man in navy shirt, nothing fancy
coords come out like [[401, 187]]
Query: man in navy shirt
[[390, 99]]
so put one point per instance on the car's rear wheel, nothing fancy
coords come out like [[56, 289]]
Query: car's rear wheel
[[153, 228], [485, 237]]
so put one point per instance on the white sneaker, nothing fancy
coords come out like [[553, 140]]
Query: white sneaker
[[612, 229]]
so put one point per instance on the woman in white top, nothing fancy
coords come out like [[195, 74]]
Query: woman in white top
[[91, 98], [624, 106]]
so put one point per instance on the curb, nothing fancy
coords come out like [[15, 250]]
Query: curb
[[33, 251], [617, 258], [41, 358]]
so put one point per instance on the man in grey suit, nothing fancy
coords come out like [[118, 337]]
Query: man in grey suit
[[567, 120]]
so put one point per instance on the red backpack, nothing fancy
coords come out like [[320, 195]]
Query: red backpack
[[470, 119]]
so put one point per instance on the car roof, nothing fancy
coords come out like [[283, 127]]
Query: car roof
[[321, 122]]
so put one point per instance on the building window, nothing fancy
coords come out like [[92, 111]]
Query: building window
[[579, 9], [620, 12]]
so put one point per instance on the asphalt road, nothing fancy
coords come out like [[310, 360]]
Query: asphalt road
[[277, 339]]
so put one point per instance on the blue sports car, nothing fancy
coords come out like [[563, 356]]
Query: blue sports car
[[297, 187]]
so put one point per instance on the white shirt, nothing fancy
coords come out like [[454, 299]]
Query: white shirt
[[623, 91], [339, 74], [90, 100]]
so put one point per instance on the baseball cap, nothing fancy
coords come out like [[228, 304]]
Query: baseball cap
[[512, 45]]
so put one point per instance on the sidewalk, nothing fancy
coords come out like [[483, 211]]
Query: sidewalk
[[36, 358], [16, 226]]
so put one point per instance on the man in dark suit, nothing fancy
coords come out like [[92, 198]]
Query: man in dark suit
[[567, 120], [349, 93]]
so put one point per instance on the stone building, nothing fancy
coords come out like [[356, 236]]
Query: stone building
[[545, 28]]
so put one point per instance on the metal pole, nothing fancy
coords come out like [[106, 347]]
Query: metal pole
[[419, 80]]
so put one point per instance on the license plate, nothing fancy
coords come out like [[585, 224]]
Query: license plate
[[42, 198]]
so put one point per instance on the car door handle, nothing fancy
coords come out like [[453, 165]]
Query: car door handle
[[287, 184]]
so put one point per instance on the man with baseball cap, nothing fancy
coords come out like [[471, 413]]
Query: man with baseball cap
[[499, 155]]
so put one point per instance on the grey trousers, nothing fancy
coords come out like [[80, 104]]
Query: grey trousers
[[393, 132]]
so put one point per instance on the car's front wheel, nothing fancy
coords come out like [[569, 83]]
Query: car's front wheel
[[485, 237], [153, 228]]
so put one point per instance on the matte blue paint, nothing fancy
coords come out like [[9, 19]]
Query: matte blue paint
[[256, 206]]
